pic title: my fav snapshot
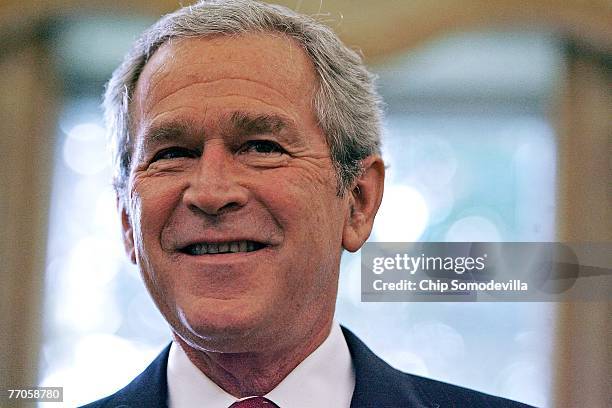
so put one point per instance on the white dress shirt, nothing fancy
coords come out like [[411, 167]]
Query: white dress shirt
[[326, 378]]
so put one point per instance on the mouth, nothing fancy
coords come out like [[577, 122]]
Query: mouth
[[217, 248]]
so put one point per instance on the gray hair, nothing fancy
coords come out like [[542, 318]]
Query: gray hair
[[346, 103]]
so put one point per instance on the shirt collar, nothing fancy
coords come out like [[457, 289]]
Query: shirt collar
[[325, 378]]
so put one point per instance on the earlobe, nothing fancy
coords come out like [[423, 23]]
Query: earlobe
[[365, 198], [127, 231]]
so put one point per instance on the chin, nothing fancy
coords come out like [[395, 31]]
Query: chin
[[221, 326]]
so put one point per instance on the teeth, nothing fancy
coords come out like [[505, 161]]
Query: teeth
[[222, 248], [200, 249]]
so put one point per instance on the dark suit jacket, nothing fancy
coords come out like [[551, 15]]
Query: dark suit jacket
[[377, 385]]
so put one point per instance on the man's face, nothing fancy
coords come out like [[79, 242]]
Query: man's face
[[232, 215]]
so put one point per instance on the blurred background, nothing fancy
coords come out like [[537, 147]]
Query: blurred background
[[498, 128]]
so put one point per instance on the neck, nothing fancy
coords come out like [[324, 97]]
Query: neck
[[256, 372]]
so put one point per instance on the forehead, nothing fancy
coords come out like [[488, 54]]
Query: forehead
[[271, 65]]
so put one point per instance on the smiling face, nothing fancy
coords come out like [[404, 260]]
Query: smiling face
[[232, 212]]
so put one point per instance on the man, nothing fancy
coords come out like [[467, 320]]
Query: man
[[247, 156]]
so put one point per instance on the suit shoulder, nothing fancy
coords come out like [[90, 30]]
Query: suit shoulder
[[102, 403], [379, 385], [445, 394], [124, 398]]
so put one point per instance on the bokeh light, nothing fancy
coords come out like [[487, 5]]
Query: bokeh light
[[82, 148], [474, 228], [403, 215], [106, 353]]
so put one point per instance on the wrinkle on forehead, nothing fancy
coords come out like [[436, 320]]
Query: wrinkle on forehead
[[274, 60], [219, 82]]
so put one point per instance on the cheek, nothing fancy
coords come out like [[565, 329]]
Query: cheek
[[309, 211], [303, 192], [150, 208], [152, 204]]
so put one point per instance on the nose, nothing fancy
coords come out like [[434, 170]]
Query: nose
[[213, 187]]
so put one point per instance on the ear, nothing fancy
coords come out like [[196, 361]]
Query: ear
[[364, 200], [126, 230]]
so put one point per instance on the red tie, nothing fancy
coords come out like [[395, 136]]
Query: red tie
[[254, 402]]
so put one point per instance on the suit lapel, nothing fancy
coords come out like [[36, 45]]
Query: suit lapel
[[149, 389], [377, 384]]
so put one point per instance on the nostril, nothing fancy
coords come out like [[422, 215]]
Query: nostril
[[215, 197], [229, 207]]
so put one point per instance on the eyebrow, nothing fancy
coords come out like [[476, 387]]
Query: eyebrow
[[177, 129], [240, 124], [247, 124]]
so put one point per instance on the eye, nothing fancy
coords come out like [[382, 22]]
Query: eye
[[174, 153], [261, 147]]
